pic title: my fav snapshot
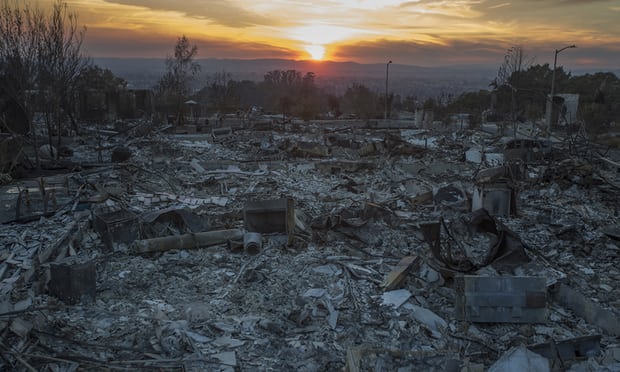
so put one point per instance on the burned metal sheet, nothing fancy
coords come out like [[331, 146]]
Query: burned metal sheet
[[306, 149], [30, 200], [449, 194], [504, 249], [501, 299], [10, 153], [578, 348], [13, 117], [178, 220], [221, 133]]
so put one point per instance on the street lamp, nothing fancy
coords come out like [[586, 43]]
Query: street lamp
[[387, 72], [550, 101]]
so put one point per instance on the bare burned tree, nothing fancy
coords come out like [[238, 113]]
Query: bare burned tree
[[174, 87], [508, 76], [19, 38], [40, 60], [220, 89], [515, 60], [60, 64]]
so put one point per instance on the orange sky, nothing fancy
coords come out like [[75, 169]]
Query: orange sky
[[421, 32]]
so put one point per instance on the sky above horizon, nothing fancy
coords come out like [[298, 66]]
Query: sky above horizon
[[418, 32]]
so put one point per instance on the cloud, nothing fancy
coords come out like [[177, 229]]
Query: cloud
[[103, 42], [489, 52], [110, 42], [122, 43], [426, 32], [243, 50], [219, 11], [499, 5], [423, 54], [584, 2]]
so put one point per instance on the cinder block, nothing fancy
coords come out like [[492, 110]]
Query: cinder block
[[116, 226], [497, 199], [70, 281], [268, 216], [221, 133], [587, 309], [501, 299]]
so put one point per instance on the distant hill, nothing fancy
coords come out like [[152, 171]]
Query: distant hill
[[256, 68]]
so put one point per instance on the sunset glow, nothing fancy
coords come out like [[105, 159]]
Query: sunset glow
[[422, 32], [316, 51]]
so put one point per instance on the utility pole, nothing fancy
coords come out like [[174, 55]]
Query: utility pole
[[550, 100], [387, 74]]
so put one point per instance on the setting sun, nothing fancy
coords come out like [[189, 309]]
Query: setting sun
[[316, 51]]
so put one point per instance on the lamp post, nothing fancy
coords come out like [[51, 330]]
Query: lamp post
[[550, 101], [387, 74]]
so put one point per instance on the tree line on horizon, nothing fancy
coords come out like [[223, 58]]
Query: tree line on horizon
[[521, 89], [518, 93]]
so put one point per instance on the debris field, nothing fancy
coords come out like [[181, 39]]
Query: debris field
[[321, 246]]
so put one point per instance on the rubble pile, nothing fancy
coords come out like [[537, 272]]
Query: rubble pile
[[310, 246]]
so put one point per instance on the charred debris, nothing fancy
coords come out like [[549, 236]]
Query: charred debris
[[307, 246]]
